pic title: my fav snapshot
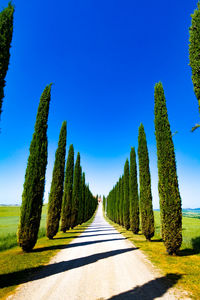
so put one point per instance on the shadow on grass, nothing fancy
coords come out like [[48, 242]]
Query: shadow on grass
[[157, 241], [72, 245], [191, 251], [40, 272], [150, 290]]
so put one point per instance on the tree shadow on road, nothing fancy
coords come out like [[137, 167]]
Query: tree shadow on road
[[40, 272], [100, 227], [72, 245], [100, 230], [150, 290], [82, 236]]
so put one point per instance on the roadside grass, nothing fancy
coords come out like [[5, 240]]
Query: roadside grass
[[16, 266], [186, 263], [9, 220]]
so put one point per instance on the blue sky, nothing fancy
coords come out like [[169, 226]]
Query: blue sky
[[104, 58]]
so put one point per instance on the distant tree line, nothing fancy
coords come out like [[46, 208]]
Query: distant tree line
[[123, 201]]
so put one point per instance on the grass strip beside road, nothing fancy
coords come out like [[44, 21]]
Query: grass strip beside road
[[15, 260], [186, 263]]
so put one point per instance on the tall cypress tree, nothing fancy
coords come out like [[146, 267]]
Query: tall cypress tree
[[121, 201], [80, 207], [56, 192], [86, 213], [6, 32], [83, 195], [133, 194], [32, 197], [76, 192], [104, 203], [146, 209], [126, 203], [117, 201], [66, 211], [113, 194], [194, 50], [170, 200]]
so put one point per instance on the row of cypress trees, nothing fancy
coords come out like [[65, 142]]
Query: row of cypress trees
[[77, 201], [123, 202], [82, 203]]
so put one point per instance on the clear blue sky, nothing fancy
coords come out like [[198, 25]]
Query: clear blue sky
[[104, 58]]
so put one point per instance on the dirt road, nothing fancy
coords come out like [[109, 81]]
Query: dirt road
[[99, 264]]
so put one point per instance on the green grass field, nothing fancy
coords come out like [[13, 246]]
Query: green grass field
[[186, 264], [9, 220]]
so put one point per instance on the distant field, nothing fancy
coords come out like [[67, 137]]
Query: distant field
[[191, 213], [9, 220]]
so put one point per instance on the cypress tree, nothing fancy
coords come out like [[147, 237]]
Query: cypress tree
[[146, 209], [126, 204], [114, 201], [66, 211], [121, 200], [117, 201], [91, 203], [56, 192], [170, 200], [133, 194], [76, 192], [83, 195], [194, 50], [32, 197], [104, 203], [80, 208], [113, 204], [6, 32], [86, 214]]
